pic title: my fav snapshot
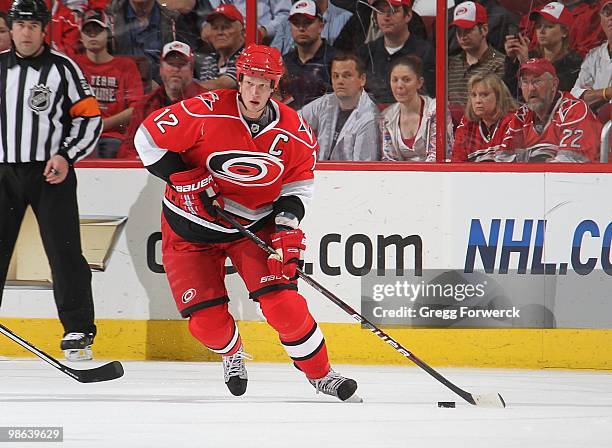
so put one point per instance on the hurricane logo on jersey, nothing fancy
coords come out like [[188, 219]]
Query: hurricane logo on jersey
[[246, 168]]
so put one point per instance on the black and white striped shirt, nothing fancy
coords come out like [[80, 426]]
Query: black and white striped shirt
[[46, 108]]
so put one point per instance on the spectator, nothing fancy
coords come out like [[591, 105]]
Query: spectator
[[584, 32], [334, 19], [176, 72], [393, 17], [594, 83], [345, 121], [499, 20], [270, 14], [408, 127], [115, 81], [476, 56], [552, 24], [552, 126], [5, 35], [362, 28], [489, 110], [307, 66], [217, 69], [143, 27]]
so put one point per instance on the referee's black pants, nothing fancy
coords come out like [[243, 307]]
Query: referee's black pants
[[56, 209]]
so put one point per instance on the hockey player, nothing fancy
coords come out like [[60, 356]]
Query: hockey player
[[552, 126], [254, 157]]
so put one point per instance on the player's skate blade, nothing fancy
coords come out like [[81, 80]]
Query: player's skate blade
[[83, 354], [337, 386], [234, 372]]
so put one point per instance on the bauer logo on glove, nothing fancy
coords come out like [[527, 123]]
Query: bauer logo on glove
[[202, 184], [198, 193], [289, 246]]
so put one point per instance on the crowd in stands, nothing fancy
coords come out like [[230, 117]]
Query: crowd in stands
[[526, 81]]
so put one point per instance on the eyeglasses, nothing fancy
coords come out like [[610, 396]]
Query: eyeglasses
[[535, 82], [607, 11]]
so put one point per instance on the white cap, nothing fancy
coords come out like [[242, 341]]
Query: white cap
[[179, 47], [306, 8], [469, 14], [554, 12]]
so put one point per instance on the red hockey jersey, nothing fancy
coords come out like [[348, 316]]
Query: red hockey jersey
[[116, 85], [571, 134], [471, 143], [252, 172]]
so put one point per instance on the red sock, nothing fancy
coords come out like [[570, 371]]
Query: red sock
[[286, 311], [216, 329]]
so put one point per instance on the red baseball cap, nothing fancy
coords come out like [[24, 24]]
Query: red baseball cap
[[230, 12], [554, 12], [469, 14], [537, 66]]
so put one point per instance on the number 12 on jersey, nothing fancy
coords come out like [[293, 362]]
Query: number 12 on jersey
[[170, 120]]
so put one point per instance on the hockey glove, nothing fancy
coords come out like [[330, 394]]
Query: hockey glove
[[197, 192], [289, 245]]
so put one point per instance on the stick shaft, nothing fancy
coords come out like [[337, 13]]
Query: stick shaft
[[349, 310]]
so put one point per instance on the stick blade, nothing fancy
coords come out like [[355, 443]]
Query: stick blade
[[489, 400], [107, 372]]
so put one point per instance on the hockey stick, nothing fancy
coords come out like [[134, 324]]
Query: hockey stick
[[485, 400], [107, 372]]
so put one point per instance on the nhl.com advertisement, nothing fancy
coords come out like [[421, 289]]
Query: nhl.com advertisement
[[504, 282], [414, 249]]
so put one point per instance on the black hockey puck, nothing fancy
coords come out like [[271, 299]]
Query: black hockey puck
[[446, 404]]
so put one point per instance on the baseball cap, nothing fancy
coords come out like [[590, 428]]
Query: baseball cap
[[307, 8], [95, 16], [469, 14], [554, 12], [230, 12], [178, 47], [537, 66]]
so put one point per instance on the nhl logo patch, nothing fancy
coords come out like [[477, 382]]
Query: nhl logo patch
[[40, 98]]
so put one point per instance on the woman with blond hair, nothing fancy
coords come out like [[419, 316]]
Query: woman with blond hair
[[488, 112], [552, 24], [408, 127]]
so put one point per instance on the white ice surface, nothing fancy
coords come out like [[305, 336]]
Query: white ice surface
[[184, 404]]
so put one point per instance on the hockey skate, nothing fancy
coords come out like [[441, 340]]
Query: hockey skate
[[337, 386], [234, 372], [77, 346]]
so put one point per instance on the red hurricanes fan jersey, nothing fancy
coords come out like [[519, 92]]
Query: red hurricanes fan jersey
[[474, 144], [571, 128], [252, 172], [116, 84]]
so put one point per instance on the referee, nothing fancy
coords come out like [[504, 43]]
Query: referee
[[49, 119]]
